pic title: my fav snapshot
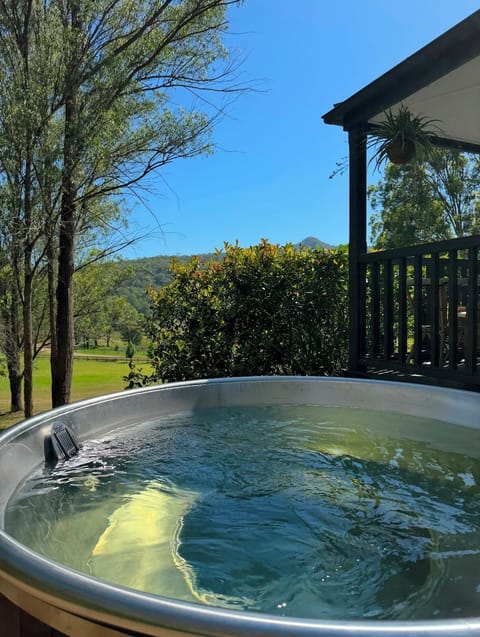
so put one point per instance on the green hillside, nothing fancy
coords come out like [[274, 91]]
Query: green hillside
[[155, 271], [143, 273]]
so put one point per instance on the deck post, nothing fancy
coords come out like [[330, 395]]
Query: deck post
[[357, 139]]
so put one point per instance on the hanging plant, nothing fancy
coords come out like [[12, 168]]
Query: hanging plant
[[402, 136]]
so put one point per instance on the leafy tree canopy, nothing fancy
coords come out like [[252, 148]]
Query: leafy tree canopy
[[426, 201]]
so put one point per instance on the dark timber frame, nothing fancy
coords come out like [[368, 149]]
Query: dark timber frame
[[413, 312]]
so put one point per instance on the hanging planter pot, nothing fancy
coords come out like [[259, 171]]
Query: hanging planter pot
[[402, 137], [399, 152]]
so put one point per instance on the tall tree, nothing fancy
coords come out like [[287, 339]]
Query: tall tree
[[426, 201], [29, 62], [89, 106], [123, 62], [19, 122]]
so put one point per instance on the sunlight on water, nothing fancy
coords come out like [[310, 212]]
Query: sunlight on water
[[315, 512]]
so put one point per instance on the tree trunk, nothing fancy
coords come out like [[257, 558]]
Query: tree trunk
[[62, 358], [27, 223], [51, 303], [10, 315], [27, 289], [10, 319], [62, 362], [15, 382], [28, 344]]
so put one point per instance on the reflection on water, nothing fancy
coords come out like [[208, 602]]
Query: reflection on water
[[303, 511]]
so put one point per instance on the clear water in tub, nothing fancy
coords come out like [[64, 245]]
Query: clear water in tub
[[315, 512]]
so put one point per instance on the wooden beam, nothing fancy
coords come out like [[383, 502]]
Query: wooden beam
[[458, 45]]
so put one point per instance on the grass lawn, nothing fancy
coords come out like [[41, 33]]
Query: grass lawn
[[90, 378], [117, 348]]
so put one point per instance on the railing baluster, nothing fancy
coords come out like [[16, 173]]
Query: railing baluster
[[436, 354], [472, 313], [387, 309], [417, 310], [402, 310], [375, 325], [452, 309]]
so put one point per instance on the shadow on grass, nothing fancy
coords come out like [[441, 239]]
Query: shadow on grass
[[9, 418]]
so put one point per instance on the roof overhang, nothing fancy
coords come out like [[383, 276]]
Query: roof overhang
[[441, 81]]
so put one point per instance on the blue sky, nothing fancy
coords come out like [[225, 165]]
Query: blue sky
[[270, 174]]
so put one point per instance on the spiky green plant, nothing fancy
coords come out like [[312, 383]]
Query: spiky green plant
[[401, 136]]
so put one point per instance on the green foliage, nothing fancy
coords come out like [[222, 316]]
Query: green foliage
[[426, 201], [129, 350], [124, 318], [259, 310], [142, 273], [98, 312]]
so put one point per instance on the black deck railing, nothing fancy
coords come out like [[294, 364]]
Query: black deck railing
[[422, 310]]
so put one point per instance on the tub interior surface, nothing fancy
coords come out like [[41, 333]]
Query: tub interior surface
[[298, 511]]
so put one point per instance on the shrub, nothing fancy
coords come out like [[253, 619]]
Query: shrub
[[130, 350], [249, 311]]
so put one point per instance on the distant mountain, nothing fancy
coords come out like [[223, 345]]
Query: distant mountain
[[155, 271], [313, 242]]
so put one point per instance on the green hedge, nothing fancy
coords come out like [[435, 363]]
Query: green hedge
[[249, 311]]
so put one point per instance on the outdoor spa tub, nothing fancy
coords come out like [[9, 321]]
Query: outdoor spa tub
[[380, 537]]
